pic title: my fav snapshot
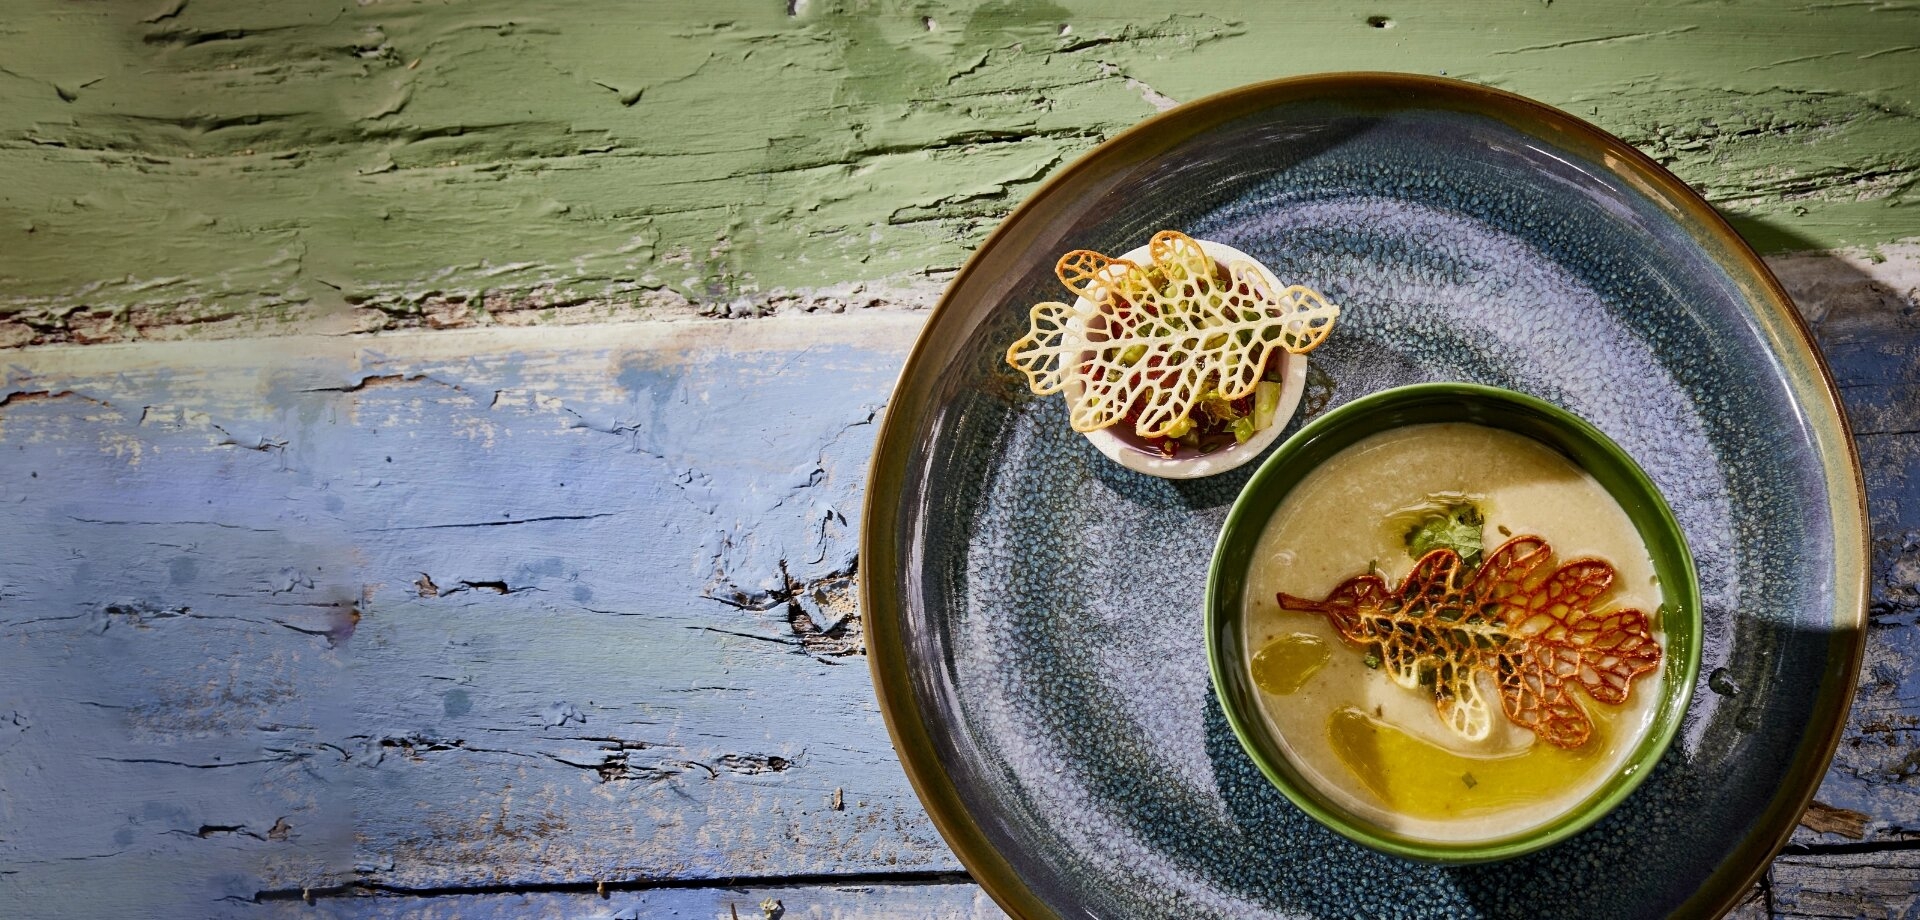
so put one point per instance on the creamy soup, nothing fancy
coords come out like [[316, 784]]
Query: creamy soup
[[1385, 751]]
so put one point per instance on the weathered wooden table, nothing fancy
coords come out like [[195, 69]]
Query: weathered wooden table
[[433, 433]]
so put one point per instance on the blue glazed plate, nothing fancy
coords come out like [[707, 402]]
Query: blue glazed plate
[[1034, 611]]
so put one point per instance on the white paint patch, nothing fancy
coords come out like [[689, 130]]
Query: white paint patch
[[1160, 101], [770, 334]]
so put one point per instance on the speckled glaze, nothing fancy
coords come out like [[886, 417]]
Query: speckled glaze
[[1034, 612]]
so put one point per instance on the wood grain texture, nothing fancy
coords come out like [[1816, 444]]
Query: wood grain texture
[[933, 901], [237, 167], [1866, 314], [1869, 886], [471, 609]]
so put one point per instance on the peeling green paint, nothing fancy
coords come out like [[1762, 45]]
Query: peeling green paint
[[247, 165]]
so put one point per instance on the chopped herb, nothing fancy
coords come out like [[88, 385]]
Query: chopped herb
[[1216, 407], [1469, 780], [1373, 660], [1454, 526], [1504, 531]]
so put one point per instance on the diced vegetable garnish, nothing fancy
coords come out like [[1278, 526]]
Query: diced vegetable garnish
[[1266, 402], [1216, 407]]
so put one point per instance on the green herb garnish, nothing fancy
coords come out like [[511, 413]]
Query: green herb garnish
[[1454, 525], [1212, 405]]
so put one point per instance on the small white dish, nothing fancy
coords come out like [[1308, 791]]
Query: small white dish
[[1293, 382]]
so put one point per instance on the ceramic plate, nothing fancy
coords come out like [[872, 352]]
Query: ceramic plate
[[1034, 610]]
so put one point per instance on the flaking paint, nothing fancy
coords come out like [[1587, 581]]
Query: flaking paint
[[228, 168]]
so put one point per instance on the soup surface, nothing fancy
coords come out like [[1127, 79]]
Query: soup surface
[[1382, 750]]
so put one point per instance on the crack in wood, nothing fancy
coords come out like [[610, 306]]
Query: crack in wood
[[20, 397], [508, 522], [203, 766], [594, 887], [1901, 845], [369, 382]]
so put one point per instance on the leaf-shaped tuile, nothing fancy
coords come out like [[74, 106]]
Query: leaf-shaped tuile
[[1153, 339], [1538, 638]]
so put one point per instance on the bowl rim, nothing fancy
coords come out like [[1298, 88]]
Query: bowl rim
[[892, 484], [1339, 429]]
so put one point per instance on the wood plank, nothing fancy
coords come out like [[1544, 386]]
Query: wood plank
[[227, 167], [935, 901], [1865, 315], [1870, 886], [1800, 886], [539, 607]]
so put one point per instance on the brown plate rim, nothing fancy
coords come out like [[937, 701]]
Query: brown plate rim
[[879, 539]]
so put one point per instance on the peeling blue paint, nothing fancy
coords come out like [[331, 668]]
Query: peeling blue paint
[[441, 627], [456, 703], [454, 630]]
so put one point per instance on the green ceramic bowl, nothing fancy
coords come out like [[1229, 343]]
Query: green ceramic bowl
[[1449, 402]]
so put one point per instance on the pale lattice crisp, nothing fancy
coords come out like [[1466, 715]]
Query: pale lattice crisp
[[1152, 340]]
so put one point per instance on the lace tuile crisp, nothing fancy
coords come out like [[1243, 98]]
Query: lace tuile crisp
[[1539, 638], [1152, 338]]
